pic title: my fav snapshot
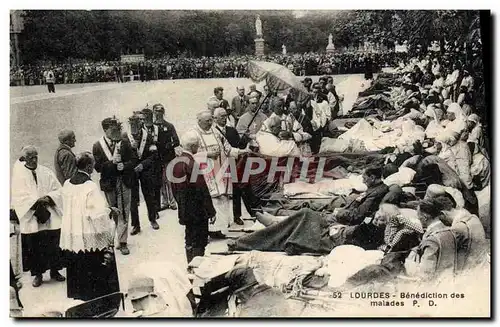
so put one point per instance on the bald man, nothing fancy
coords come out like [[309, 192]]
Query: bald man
[[191, 191], [249, 125], [64, 159], [37, 200], [218, 149], [229, 132], [234, 139], [269, 142]]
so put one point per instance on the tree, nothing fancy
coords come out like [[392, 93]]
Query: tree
[[105, 34]]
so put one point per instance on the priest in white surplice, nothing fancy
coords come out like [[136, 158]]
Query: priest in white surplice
[[214, 146], [87, 235], [36, 198]]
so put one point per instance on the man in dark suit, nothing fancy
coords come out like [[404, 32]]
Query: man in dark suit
[[219, 97], [64, 159], [134, 135], [115, 160], [367, 204], [253, 88], [169, 144], [149, 166], [239, 191], [317, 94], [193, 199], [239, 103]]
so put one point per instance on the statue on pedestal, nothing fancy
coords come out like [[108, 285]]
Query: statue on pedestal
[[330, 47], [259, 41], [258, 26], [283, 47]]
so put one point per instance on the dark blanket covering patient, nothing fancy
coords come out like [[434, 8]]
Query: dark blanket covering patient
[[306, 231]]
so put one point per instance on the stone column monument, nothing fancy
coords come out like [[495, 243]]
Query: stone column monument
[[283, 49], [330, 48], [259, 41]]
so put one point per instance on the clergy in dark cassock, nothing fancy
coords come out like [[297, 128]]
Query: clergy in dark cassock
[[149, 165], [168, 148], [194, 201], [87, 235], [134, 136], [37, 201], [369, 67]]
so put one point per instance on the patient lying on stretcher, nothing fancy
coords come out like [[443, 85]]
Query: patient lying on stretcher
[[306, 231]]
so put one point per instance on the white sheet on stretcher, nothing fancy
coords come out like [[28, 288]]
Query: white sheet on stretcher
[[399, 133], [346, 260], [212, 266], [278, 269], [326, 187]]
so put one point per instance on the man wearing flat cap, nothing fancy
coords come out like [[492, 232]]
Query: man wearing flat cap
[[168, 149], [115, 159], [64, 159]]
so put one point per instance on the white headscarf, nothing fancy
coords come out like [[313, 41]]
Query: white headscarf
[[459, 124], [432, 113], [474, 118]]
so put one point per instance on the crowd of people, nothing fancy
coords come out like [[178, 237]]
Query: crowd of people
[[207, 67], [427, 198]]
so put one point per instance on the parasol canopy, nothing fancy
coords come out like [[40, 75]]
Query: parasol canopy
[[277, 77]]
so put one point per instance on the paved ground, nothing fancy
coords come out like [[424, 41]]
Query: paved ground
[[37, 116]]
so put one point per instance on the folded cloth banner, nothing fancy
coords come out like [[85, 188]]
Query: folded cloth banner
[[277, 77]]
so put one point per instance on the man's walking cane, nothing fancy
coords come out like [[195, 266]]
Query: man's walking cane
[[119, 182]]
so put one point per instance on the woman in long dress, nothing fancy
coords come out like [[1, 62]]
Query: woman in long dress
[[87, 236]]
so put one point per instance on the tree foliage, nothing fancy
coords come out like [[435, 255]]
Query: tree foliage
[[103, 34]]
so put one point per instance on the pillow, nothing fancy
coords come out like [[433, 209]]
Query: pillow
[[403, 177]]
